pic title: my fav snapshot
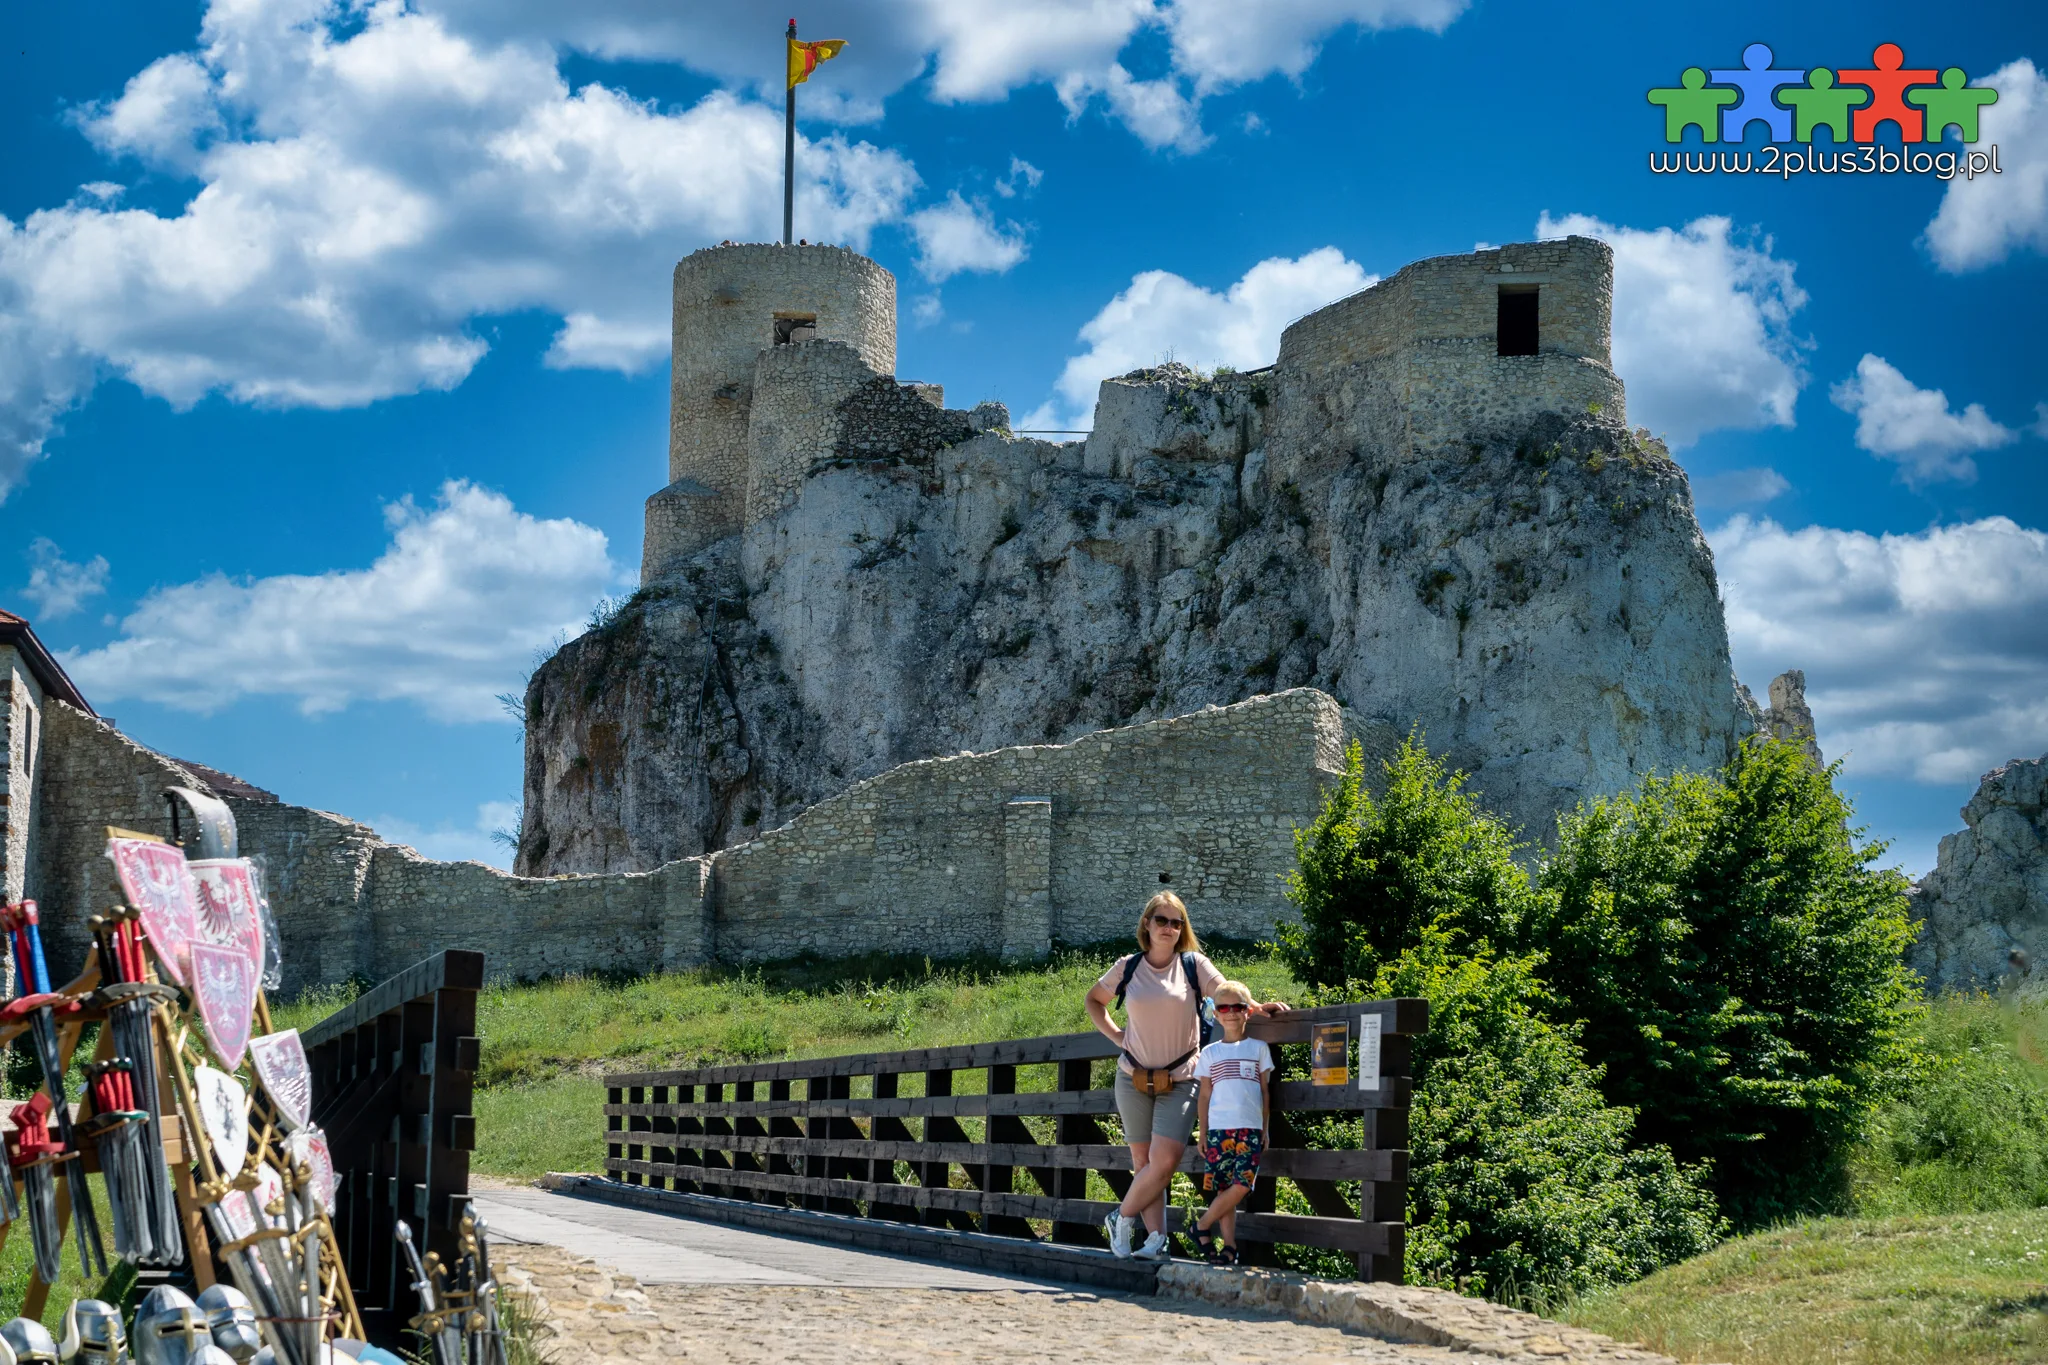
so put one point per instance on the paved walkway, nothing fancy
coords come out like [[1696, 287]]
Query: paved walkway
[[620, 1286], [657, 1248]]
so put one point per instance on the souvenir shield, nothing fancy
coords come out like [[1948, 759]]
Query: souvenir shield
[[154, 879], [310, 1146], [243, 1209], [224, 992], [286, 1075], [224, 1114], [225, 906]]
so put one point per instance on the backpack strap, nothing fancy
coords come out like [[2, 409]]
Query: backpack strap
[[1130, 970], [1187, 967]]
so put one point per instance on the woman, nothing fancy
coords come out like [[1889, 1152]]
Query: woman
[[1159, 1039]]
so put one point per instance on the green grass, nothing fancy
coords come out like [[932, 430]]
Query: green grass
[[1901, 1290], [539, 1100], [17, 1264]]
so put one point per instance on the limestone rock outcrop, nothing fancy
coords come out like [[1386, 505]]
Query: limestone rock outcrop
[[1984, 907], [1445, 532]]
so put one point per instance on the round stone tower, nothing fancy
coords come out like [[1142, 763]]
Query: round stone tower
[[732, 303]]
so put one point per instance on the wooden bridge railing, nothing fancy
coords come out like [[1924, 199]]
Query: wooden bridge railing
[[920, 1137]]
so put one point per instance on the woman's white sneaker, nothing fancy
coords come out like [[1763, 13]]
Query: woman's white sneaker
[[1119, 1229], [1155, 1249]]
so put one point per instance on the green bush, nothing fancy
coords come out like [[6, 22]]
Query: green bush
[[1736, 964], [1523, 1184], [1970, 1134]]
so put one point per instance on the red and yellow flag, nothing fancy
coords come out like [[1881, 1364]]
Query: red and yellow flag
[[804, 57]]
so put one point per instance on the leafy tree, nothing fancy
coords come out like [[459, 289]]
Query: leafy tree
[[1735, 962], [1523, 1183], [1372, 873]]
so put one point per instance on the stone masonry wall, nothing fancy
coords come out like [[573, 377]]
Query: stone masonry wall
[[93, 776], [917, 858], [21, 702], [997, 852], [726, 300], [682, 519], [797, 393]]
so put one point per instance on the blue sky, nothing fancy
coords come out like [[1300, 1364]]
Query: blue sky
[[333, 338]]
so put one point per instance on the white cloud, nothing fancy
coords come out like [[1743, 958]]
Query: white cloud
[[446, 618], [1914, 427], [1023, 177], [1702, 326], [1984, 219], [1225, 43], [1926, 655], [1736, 487], [973, 52], [2040, 427], [927, 309], [56, 585], [1162, 315], [370, 181], [957, 236], [453, 844]]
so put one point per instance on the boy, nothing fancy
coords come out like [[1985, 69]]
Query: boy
[[1233, 1105]]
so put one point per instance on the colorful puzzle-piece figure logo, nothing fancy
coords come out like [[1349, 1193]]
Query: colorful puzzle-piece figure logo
[[1792, 104]]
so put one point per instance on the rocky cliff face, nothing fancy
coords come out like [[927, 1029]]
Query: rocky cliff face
[[1535, 598], [1985, 905]]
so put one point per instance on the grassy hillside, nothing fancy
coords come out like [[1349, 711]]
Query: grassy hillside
[[1847, 1291]]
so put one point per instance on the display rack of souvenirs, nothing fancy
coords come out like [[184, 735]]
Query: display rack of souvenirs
[[196, 1114]]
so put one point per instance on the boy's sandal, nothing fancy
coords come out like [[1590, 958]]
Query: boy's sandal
[[1206, 1243], [1227, 1255]]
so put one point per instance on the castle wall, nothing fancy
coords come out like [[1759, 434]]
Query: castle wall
[[21, 722], [93, 776], [981, 853], [682, 519], [798, 390], [1412, 360], [725, 303], [921, 858]]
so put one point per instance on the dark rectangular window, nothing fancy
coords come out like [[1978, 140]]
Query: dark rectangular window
[[795, 327], [1514, 328]]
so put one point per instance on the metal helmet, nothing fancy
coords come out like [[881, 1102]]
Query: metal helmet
[[93, 1335], [170, 1329], [231, 1320], [29, 1342]]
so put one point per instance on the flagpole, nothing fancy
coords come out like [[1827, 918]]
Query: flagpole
[[789, 147]]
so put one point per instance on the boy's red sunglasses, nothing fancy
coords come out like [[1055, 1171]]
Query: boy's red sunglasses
[[1233, 1009]]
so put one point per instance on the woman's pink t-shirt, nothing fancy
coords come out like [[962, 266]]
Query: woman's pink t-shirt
[[1159, 1012]]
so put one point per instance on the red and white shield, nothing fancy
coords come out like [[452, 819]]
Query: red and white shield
[[224, 991], [286, 1075], [224, 902], [309, 1145], [155, 880]]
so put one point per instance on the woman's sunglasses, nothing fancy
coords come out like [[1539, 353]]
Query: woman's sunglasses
[[1162, 922]]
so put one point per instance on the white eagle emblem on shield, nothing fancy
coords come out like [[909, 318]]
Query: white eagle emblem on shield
[[224, 991], [286, 1075], [154, 878], [224, 906]]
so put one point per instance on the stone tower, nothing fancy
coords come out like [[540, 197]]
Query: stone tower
[[732, 303]]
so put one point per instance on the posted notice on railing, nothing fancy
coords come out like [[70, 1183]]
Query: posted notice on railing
[[1368, 1052], [1329, 1047]]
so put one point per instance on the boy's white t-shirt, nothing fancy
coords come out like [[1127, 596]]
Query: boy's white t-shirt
[[1234, 1070]]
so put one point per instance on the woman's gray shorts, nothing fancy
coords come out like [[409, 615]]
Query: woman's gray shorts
[[1170, 1116]]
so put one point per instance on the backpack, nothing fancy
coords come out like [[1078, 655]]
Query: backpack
[[1204, 1017]]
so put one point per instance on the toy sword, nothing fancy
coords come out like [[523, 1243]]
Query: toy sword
[[130, 1005], [37, 1001], [32, 1152]]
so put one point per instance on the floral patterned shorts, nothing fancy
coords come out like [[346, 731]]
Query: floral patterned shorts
[[1232, 1155]]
